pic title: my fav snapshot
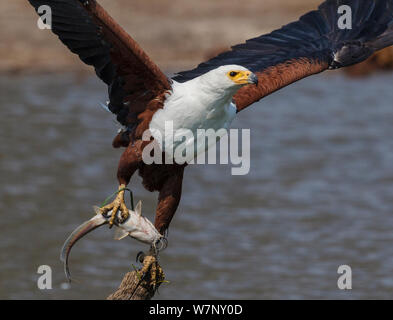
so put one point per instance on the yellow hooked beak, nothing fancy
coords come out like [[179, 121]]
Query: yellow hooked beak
[[243, 77]]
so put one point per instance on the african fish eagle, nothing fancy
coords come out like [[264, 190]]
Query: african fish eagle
[[210, 95]]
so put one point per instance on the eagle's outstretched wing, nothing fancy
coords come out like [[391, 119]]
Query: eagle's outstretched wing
[[87, 30], [312, 44]]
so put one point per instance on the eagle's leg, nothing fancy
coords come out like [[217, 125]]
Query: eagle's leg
[[168, 200], [129, 163]]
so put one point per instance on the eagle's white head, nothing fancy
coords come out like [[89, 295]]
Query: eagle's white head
[[228, 78]]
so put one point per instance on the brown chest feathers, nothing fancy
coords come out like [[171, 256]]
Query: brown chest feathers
[[137, 125], [153, 175]]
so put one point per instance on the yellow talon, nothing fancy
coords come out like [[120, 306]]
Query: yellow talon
[[154, 271], [147, 263], [117, 204]]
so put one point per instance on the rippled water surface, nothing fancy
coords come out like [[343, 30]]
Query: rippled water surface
[[319, 195]]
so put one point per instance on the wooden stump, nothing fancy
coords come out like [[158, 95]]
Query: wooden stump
[[140, 284]]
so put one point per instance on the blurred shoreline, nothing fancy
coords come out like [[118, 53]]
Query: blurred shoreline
[[177, 34]]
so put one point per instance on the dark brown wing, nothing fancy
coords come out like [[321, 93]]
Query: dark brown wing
[[87, 30], [308, 46], [277, 77]]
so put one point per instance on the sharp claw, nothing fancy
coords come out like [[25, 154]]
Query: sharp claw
[[124, 214], [140, 256], [104, 211], [113, 216]]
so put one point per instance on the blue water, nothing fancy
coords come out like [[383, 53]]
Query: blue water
[[319, 195]]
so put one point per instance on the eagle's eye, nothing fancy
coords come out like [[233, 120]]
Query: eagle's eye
[[233, 74]]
